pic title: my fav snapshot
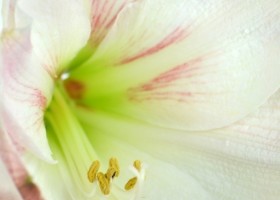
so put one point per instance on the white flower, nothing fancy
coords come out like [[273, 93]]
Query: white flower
[[188, 87]]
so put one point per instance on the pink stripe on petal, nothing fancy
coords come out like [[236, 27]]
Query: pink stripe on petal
[[175, 36], [16, 85], [109, 10], [113, 19], [104, 14], [11, 157], [8, 14], [26, 90], [30, 192], [24, 93], [160, 88]]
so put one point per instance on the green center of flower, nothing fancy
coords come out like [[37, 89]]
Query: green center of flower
[[75, 89]]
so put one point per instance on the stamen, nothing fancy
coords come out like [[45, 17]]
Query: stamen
[[137, 164], [93, 171], [114, 164], [131, 183], [103, 183], [111, 173], [105, 180]]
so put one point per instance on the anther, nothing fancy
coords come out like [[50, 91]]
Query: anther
[[111, 173], [113, 163], [104, 180], [137, 164], [130, 183], [103, 183], [93, 171]]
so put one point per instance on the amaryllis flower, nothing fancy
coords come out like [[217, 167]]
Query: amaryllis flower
[[142, 99]]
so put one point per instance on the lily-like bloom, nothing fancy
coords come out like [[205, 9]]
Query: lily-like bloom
[[142, 99]]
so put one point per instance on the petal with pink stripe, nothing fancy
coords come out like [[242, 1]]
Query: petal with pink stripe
[[103, 15], [206, 65], [8, 189], [60, 29], [11, 157], [26, 93]]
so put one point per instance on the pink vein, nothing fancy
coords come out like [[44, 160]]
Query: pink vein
[[150, 90], [175, 36]]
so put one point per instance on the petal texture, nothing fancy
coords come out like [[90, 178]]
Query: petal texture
[[237, 162], [8, 190], [11, 17], [60, 29], [7, 15], [103, 16], [192, 65], [26, 92], [12, 165]]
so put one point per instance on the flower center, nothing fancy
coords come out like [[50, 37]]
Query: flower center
[[75, 89], [74, 148]]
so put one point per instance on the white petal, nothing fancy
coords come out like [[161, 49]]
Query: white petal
[[103, 15], [60, 29], [7, 9], [10, 154], [11, 16], [1, 21], [48, 177], [8, 190], [11, 159], [192, 65], [238, 162], [25, 93], [8, 181]]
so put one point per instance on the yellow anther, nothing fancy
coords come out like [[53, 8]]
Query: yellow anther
[[111, 173], [137, 164], [104, 180], [114, 164], [130, 183], [103, 183], [93, 171]]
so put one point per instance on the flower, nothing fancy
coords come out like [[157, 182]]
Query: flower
[[123, 99]]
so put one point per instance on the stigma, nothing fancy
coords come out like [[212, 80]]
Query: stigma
[[104, 179]]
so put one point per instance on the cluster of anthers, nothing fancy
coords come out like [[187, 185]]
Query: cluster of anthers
[[104, 179]]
